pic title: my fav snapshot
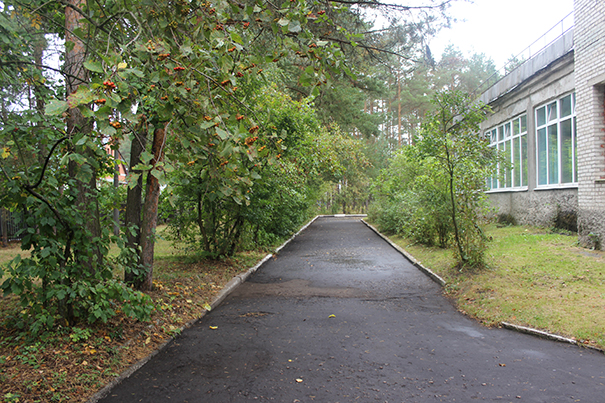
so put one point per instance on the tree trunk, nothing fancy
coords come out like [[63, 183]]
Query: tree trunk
[[134, 197], [76, 123], [150, 208], [116, 185]]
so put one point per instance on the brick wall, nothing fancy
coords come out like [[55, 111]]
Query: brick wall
[[589, 50]]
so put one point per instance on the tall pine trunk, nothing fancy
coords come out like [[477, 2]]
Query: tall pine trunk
[[77, 124]]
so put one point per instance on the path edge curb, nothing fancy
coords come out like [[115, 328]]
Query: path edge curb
[[506, 325], [548, 336], [431, 274], [227, 289]]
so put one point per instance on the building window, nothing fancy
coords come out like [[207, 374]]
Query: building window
[[556, 142], [510, 139]]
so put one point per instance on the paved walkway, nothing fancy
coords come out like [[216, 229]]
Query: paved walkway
[[340, 316]]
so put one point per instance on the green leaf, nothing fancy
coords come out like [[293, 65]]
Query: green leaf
[[222, 134], [55, 107], [137, 73], [294, 26], [283, 22], [206, 125], [186, 50], [107, 130], [133, 179], [81, 97], [235, 37], [146, 157], [94, 66], [157, 173]]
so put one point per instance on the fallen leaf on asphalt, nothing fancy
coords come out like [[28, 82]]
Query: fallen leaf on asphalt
[[299, 380], [213, 327], [502, 365], [332, 316]]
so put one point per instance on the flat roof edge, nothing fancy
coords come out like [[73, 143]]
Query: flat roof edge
[[555, 51]]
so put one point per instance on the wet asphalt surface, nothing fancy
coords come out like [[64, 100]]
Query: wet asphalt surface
[[340, 316]]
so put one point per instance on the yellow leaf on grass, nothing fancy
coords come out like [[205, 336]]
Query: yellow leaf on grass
[[207, 307], [148, 340]]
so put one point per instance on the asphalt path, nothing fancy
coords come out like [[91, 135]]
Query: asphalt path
[[340, 316]]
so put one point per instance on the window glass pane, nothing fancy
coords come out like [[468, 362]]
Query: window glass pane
[[524, 160], [501, 133], [541, 116], [566, 152], [523, 123], [516, 127], [542, 172], [517, 162], [553, 161], [575, 147], [565, 106], [552, 111], [508, 156], [507, 130], [501, 167]]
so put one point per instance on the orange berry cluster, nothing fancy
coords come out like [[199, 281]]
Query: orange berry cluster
[[109, 85], [250, 140]]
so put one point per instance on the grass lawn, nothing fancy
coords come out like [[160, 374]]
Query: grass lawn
[[534, 278]]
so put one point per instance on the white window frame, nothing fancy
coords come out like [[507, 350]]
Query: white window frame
[[549, 122], [502, 136]]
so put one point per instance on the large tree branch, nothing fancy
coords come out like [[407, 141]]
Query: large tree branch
[[392, 6], [368, 47], [50, 154]]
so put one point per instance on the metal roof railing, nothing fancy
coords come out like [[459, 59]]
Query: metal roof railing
[[530, 52]]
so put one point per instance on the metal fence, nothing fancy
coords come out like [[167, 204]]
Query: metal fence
[[10, 225]]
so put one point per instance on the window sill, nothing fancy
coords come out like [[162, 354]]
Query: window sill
[[508, 190], [557, 187]]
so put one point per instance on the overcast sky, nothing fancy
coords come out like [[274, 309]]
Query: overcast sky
[[500, 28]]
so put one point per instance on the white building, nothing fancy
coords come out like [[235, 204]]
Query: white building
[[548, 119]]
